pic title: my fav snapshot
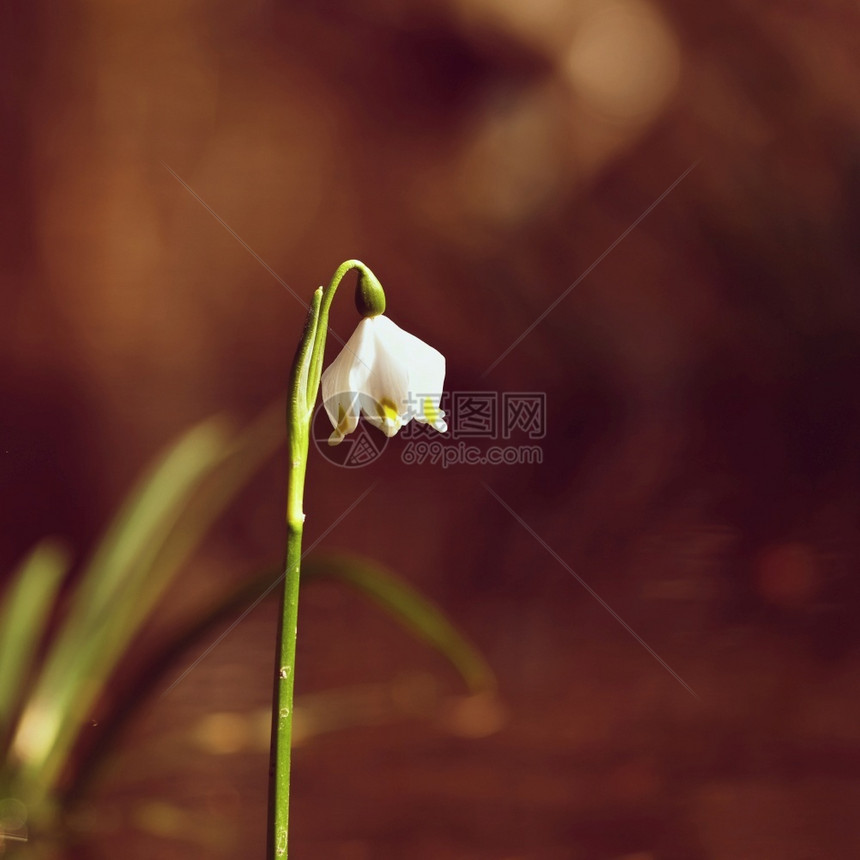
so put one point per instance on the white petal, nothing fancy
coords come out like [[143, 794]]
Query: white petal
[[388, 375], [343, 412], [343, 379], [426, 367], [383, 417], [388, 383]]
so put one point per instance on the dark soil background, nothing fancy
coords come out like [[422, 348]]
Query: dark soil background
[[700, 464]]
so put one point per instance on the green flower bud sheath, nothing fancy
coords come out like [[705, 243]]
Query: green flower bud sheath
[[369, 295]]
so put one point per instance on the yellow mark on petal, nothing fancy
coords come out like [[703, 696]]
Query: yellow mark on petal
[[341, 416], [431, 413], [342, 426], [388, 411]]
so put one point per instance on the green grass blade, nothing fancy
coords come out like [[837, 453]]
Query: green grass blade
[[97, 628], [252, 448], [144, 520], [23, 618], [152, 545], [240, 462], [416, 613], [225, 608]]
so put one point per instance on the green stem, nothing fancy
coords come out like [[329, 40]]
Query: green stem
[[304, 387], [298, 427], [319, 346], [282, 719]]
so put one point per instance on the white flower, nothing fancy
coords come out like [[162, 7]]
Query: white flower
[[389, 375]]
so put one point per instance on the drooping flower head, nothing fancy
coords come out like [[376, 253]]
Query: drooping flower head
[[385, 373]]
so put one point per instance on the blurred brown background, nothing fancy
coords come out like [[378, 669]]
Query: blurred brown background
[[700, 467]]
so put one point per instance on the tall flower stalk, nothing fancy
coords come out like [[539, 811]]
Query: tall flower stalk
[[391, 377]]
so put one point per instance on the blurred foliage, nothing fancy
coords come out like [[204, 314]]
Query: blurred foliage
[[59, 651]]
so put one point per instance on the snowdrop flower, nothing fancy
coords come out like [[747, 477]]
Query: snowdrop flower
[[392, 377], [389, 375]]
